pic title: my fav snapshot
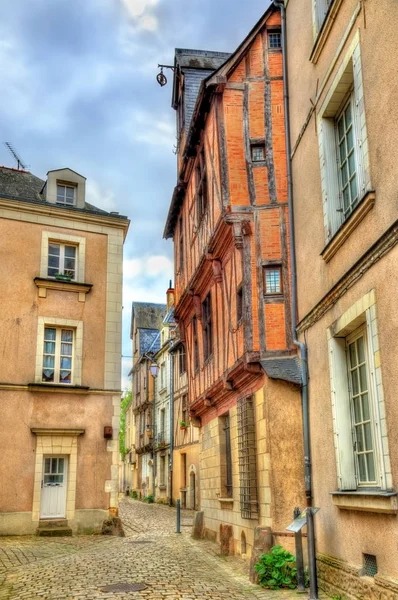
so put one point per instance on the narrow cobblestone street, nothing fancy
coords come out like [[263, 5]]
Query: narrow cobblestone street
[[172, 566]]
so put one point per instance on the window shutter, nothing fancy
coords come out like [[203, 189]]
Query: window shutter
[[321, 8], [342, 415]]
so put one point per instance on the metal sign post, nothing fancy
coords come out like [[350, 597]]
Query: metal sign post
[[306, 518]]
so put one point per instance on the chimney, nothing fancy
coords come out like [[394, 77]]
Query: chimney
[[170, 296]]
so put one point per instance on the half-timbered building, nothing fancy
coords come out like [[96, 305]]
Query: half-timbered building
[[229, 222]]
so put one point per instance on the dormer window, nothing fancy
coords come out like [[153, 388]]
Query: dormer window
[[66, 194]]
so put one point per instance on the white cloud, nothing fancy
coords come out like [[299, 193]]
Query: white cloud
[[100, 196], [146, 279], [145, 128], [141, 11]]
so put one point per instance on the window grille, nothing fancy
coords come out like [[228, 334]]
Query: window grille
[[247, 459], [272, 280], [274, 39], [258, 153], [369, 565]]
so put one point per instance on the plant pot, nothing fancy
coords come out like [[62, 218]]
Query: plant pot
[[63, 277], [183, 427]]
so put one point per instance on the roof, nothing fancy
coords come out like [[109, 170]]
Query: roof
[[16, 184], [21, 185], [286, 368], [197, 118], [149, 341], [169, 318], [147, 315], [196, 65]]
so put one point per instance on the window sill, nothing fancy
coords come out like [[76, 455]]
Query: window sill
[[324, 31], [367, 501], [45, 284], [226, 503], [344, 232], [58, 387]]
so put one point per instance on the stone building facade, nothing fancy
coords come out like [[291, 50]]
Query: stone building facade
[[146, 322], [228, 219], [344, 126], [60, 342], [163, 397]]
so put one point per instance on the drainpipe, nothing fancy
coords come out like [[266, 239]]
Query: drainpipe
[[171, 411], [302, 346], [154, 464]]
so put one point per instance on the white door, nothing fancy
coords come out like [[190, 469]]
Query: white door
[[53, 487]]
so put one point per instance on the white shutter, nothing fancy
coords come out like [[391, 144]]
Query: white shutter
[[342, 414]]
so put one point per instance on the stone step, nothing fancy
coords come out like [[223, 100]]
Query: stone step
[[53, 531], [53, 523]]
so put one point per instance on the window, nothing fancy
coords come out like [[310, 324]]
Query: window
[[66, 194], [207, 328], [184, 470], [274, 39], [61, 260], [59, 351], [182, 360], [195, 343], [225, 457], [239, 304], [162, 478], [348, 177], [184, 411], [247, 458], [257, 153], [201, 186], [359, 422], [57, 355], [181, 246], [362, 422], [272, 280], [62, 253], [162, 375], [344, 156], [137, 380]]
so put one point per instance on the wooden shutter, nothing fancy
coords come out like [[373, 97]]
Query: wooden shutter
[[342, 415]]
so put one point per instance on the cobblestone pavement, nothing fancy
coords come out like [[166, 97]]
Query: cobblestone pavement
[[172, 566]]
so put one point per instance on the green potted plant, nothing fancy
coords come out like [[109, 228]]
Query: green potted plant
[[183, 425], [63, 276]]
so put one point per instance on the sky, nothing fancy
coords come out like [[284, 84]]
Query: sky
[[79, 90]]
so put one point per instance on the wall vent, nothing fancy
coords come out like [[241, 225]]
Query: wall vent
[[369, 565]]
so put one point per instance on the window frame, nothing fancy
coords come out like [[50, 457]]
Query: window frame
[[239, 304], [57, 355], [55, 237], [66, 185], [268, 268], [207, 328], [347, 84], [182, 360], [352, 339], [195, 345], [62, 258], [181, 246], [202, 198], [272, 32], [359, 319], [77, 358]]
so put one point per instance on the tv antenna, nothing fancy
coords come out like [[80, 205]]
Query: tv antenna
[[11, 149]]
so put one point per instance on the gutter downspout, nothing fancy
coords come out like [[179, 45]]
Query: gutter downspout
[[302, 346]]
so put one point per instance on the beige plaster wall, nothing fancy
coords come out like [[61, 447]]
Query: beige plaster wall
[[379, 56], [345, 533], [21, 305], [22, 410]]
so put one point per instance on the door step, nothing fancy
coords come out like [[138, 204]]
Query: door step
[[53, 528]]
